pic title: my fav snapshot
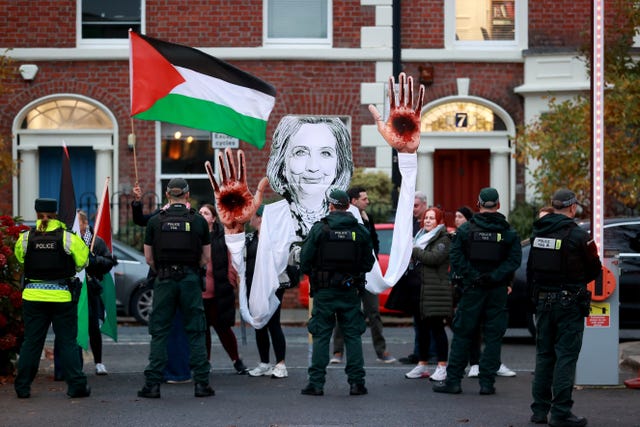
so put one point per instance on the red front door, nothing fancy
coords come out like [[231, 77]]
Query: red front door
[[458, 177]]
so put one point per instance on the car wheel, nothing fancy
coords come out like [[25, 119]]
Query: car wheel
[[140, 305], [531, 324]]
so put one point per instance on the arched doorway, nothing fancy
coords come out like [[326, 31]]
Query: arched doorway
[[40, 129], [465, 145]]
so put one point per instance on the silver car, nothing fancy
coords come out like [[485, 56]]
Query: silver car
[[134, 292]]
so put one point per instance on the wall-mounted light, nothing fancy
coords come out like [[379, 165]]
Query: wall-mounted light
[[131, 141], [28, 71], [426, 74]]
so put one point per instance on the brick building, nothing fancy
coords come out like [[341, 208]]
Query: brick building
[[487, 65]]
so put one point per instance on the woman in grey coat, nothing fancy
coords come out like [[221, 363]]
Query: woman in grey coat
[[431, 252]]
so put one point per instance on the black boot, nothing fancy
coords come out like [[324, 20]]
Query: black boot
[[203, 390], [150, 391]]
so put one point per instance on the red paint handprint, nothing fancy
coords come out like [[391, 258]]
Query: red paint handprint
[[402, 128], [235, 203]]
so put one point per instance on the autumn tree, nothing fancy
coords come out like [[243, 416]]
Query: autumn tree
[[557, 146], [7, 164]]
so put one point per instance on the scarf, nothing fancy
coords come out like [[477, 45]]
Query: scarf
[[423, 237]]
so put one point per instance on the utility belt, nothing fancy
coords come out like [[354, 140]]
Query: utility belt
[[175, 272], [567, 297], [71, 284], [331, 279]]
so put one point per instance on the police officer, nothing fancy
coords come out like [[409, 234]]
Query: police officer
[[51, 257], [176, 246], [336, 255], [562, 261], [484, 255]]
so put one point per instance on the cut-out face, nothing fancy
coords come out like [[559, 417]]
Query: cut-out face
[[312, 159]]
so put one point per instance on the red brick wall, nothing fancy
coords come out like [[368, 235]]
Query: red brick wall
[[38, 23], [559, 23], [422, 24]]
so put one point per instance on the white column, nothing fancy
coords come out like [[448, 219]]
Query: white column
[[499, 177], [424, 179], [104, 168], [28, 182]]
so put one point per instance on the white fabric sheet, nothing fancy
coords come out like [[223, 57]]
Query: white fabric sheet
[[277, 232]]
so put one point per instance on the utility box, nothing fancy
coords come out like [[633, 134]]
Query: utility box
[[599, 358]]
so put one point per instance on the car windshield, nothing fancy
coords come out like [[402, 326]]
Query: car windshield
[[385, 236]]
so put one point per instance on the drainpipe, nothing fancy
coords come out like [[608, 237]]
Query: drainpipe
[[396, 178]]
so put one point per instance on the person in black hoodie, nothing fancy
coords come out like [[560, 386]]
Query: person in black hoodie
[[219, 298], [562, 261]]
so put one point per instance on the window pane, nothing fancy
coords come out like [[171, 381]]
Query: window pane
[[461, 117], [110, 19], [485, 20], [297, 19], [184, 150], [66, 114]]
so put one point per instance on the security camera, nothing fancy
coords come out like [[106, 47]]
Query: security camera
[[28, 71]]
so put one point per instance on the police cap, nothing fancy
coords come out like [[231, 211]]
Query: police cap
[[563, 198], [488, 197], [339, 198], [46, 205], [177, 187]]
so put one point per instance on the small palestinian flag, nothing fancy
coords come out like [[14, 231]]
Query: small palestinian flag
[[182, 85]]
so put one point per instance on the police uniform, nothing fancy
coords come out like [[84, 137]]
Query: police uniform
[[51, 257], [562, 261], [336, 255], [176, 237], [484, 255]]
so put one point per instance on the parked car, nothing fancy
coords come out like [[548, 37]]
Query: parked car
[[619, 234], [134, 293], [385, 233]]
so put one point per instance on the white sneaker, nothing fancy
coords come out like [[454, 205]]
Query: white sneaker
[[101, 369], [420, 371], [279, 371], [263, 369], [505, 372], [474, 371], [337, 358], [440, 374]]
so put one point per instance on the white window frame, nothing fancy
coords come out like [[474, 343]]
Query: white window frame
[[80, 42], [519, 42], [297, 42]]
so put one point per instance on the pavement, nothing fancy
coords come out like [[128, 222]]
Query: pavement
[[243, 401], [629, 350]]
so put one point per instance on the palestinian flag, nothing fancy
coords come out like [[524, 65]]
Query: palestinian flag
[[182, 85], [103, 230]]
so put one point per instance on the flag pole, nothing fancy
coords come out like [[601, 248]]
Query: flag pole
[[99, 217], [131, 140]]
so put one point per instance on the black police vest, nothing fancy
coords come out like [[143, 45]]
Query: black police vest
[[177, 244], [338, 251], [552, 260], [485, 245], [46, 258]]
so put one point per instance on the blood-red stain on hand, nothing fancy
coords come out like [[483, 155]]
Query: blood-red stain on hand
[[234, 203], [404, 125]]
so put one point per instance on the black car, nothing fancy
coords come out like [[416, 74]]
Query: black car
[[621, 235]]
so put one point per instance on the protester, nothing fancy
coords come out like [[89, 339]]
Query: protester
[[435, 305], [219, 295]]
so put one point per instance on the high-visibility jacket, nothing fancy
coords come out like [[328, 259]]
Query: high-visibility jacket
[[52, 290]]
